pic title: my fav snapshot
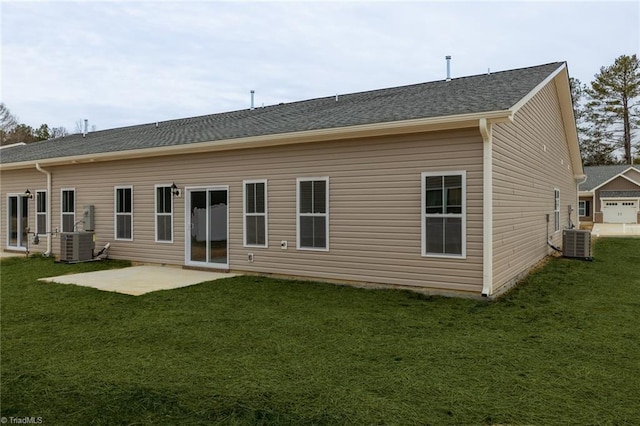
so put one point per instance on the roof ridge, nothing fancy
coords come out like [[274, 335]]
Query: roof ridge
[[426, 83], [329, 97], [475, 94]]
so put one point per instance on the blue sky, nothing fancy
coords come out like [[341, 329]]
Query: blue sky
[[131, 62]]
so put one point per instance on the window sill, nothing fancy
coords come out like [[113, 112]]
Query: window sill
[[312, 249], [445, 256]]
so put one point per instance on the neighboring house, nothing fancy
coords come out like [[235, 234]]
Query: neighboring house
[[445, 187], [611, 194]]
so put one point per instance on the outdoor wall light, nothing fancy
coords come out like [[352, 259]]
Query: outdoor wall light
[[28, 194], [174, 190]]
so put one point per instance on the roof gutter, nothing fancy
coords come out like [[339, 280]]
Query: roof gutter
[[41, 170], [581, 179], [12, 145], [366, 130]]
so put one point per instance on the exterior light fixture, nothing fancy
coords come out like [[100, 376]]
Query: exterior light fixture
[[174, 190], [28, 194]]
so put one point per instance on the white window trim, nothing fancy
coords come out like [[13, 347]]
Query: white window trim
[[155, 209], [462, 216], [556, 210], [116, 214], [45, 212], [298, 214], [63, 213], [245, 214], [582, 208]]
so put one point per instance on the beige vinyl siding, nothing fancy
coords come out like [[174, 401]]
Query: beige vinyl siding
[[634, 175], [95, 185], [530, 159], [374, 198]]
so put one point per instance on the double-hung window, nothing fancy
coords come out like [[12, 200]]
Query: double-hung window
[[313, 213], [164, 214], [444, 214], [124, 213], [68, 209], [41, 212], [255, 213], [556, 209], [584, 208]]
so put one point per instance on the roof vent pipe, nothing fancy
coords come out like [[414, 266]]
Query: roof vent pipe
[[448, 58], [252, 93], [86, 127]]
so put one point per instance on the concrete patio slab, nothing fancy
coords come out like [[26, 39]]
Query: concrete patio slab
[[137, 280], [615, 230]]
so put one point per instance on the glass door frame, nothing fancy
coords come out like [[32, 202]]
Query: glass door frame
[[187, 227], [21, 230]]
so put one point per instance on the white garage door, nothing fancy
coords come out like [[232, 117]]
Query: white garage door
[[619, 211]]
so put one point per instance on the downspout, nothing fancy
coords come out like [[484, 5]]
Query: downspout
[[487, 206], [41, 170], [580, 179]]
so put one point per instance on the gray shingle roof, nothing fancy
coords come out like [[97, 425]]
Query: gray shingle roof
[[597, 175], [498, 91], [605, 194]]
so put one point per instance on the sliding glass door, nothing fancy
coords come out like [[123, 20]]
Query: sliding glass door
[[207, 227], [18, 218]]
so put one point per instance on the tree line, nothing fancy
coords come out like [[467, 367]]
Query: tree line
[[607, 112], [13, 132]]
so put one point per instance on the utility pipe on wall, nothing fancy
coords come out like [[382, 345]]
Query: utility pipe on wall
[[41, 170]]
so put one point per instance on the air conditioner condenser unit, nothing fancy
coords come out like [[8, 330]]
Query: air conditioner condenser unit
[[576, 244], [76, 247]]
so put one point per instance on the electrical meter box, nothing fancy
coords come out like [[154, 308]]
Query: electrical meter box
[[88, 218]]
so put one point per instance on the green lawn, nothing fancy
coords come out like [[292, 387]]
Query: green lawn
[[562, 348]]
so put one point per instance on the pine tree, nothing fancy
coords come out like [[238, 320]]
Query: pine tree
[[42, 133], [590, 134], [613, 106]]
